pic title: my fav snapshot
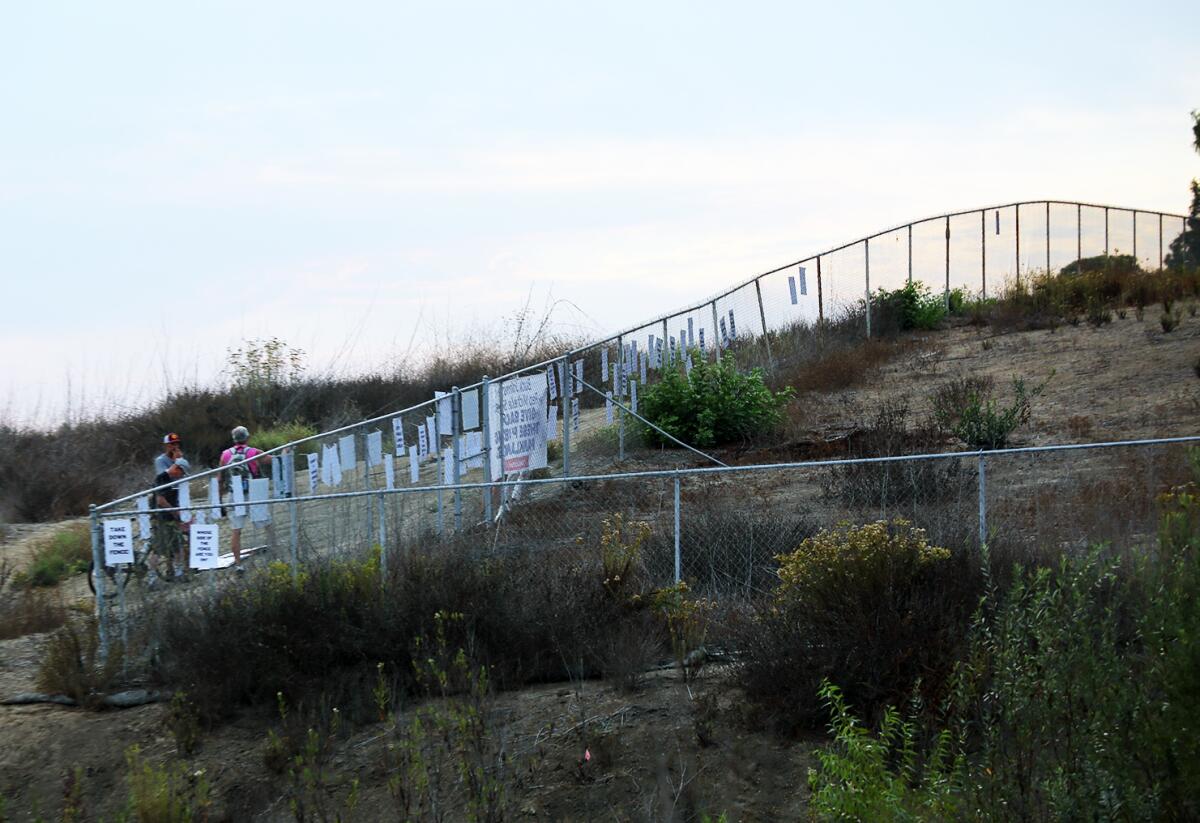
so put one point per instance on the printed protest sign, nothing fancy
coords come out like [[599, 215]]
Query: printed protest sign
[[691, 338], [238, 497], [608, 408], [260, 493], [803, 283], [732, 326], [703, 351], [423, 439], [347, 456], [552, 422], [431, 437], [447, 466], [552, 382], [445, 412], [603, 365], [792, 290], [575, 415], [205, 547], [414, 465], [389, 472], [374, 448], [314, 468], [724, 333], [143, 507], [118, 542], [518, 432], [185, 499], [470, 409], [633, 396], [398, 434]]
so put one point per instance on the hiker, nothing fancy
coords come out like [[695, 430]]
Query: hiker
[[169, 466], [243, 462]]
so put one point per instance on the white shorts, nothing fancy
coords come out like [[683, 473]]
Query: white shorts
[[236, 522]]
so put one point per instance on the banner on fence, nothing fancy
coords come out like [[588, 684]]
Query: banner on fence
[[520, 432]]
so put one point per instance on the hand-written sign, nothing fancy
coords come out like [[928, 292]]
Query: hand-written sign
[[205, 547], [118, 542], [519, 433]]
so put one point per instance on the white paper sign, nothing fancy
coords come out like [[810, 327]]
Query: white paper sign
[[205, 550], [445, 412], [691, 338], [260, 492], [552, 422], [724, 333], [214, 498], [447, 466], [347, 456], [398, 434], [470, 409], [118, 541], [792, 290], [238, 497], [574, 415], [431, 435], [374, 448], [604, 365], [423, 440], [633, 396], [803, 283], [703, 351], [389, 471], [732, 326], [143, 507], [314, 469], [185, 499], [553, 383], [414, 465], [474, 450], [578, 376], [608, 408], [334, 459], [643, 365], [520, 433]]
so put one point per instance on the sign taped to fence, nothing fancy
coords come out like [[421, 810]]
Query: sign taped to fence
[[237, 496], [260, 493], [575, 415], [398, 434], [691, 344], [604, 365], [445, 412], [792, 290], [633, 396], [431, 437], [423, 440], [118, 542], [552, 422], [732, 326], [608, 407], [214, 498], [553, 383], [520, 432], [205, 547], [314, 468], [703, 350], [347, 456], [185, 499], [389, 472], [374, 448], [447, 466], [803, 282], [414, 465], [470, 409], [143, 507]]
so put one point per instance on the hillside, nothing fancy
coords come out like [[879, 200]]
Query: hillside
[[656, 752]]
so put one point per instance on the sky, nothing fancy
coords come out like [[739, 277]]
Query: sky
[[373, 181]]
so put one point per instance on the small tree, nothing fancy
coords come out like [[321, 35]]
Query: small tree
[[1185, 249]]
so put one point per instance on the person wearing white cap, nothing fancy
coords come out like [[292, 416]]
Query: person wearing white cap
[[243, 463]]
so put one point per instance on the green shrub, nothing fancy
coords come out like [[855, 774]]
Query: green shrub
[[72, 666], [67, 552], [267, 439], [165, 794], [966, 409], [874, 607], [913, 307], [713, 404]]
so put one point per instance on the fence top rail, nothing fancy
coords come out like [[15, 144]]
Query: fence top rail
[[676, 313], [693, 471]]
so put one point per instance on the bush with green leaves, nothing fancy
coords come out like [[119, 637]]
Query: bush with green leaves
[[912, 307], [1078, 698], [875, 608], [713, 404], [966, 408]]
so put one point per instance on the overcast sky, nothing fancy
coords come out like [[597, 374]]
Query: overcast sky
[[354, 177]]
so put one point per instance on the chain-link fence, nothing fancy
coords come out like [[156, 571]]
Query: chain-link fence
[[720, 529]]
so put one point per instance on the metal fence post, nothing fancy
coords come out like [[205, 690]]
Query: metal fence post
[[1106, 234], [762, 317], [946, 290], [1160, 254], [437, 447], [982, 500], [821, 294], [1047, 237], [1135, 235], [1078, 232], [383, 549], [867, 258], [487, 448], [716, 338], [289, 474], [909, 253], [678, 557], [456, 436], [566, 393], [983, 253], [98, 566], [1017, 234], [618, 385]]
